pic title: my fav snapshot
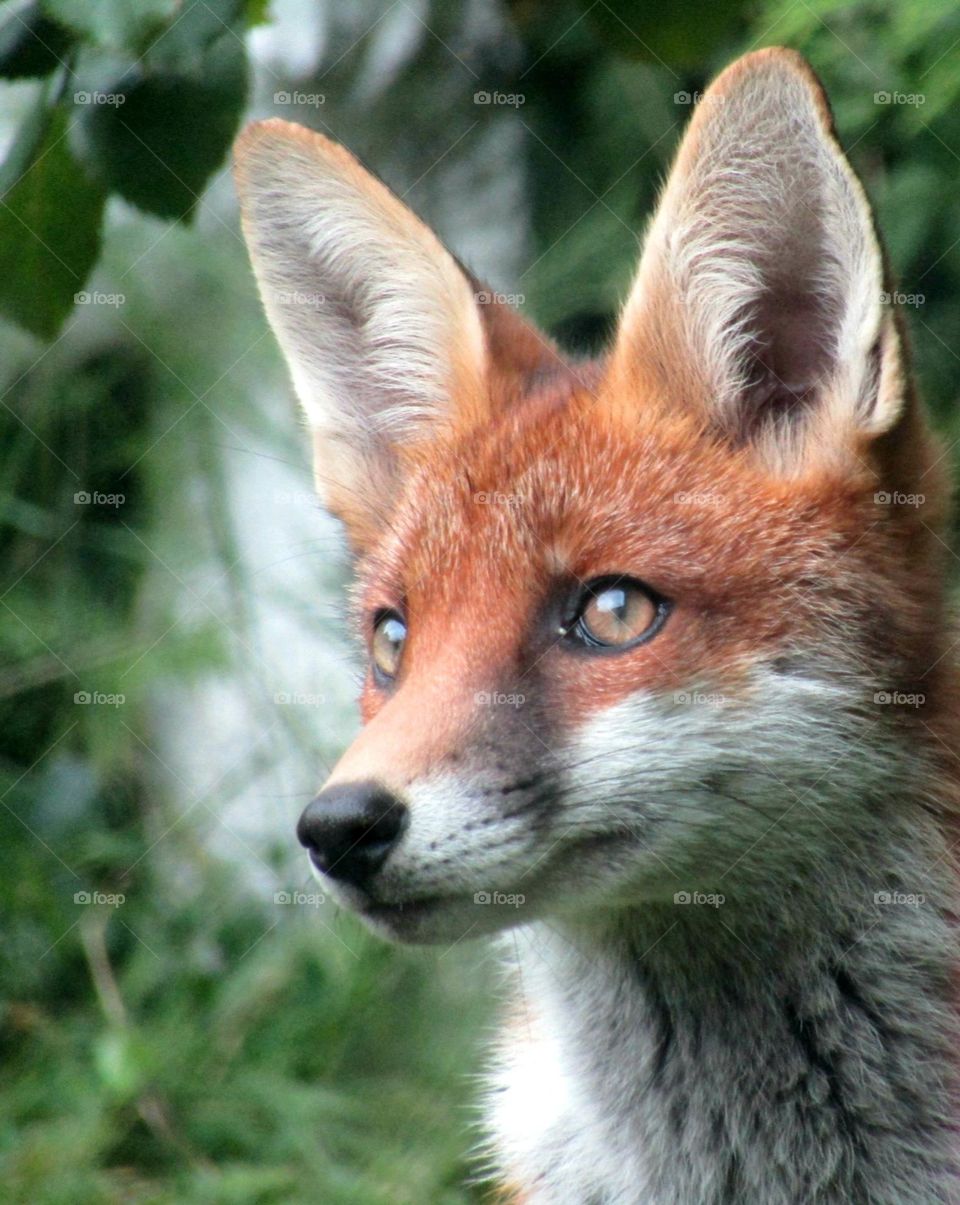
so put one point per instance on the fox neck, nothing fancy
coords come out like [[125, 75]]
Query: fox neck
[[798, 1046]]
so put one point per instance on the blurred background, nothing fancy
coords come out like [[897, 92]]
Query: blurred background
[[183, 1018]]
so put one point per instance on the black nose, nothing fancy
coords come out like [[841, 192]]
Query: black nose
[[350, 829]]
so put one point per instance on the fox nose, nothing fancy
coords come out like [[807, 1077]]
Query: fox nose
[[350, 830]]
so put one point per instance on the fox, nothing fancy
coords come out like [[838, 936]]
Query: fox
[[660, 688]]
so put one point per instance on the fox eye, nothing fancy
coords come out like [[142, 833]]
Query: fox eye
[[616, 613], [389, 636]]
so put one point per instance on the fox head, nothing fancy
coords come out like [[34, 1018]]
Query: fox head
[[630, 624]]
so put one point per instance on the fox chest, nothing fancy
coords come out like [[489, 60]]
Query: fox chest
[[548, 1135]]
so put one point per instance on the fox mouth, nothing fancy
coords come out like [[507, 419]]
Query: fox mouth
[[430, 919], [376, 910], [391, 914], [427, 920], [398, 911]]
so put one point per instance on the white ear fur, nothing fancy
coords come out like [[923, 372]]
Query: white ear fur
[[378, 323], [761, 266]]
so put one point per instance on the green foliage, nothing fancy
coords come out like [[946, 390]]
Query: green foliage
[[31, 44], [150, 94], [113, 24], [49, 233], [681, 35], [200, 1041], [137, 146]]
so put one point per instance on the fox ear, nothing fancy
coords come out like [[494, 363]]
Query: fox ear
[[758, 296], [378, 323]]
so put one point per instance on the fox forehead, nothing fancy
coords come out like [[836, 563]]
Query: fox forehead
[[572, 489]]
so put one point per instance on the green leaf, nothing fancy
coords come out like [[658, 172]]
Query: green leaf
[[679, 35], [170, 130], [119, 24], [30, 43], [49, 234], [184, 47]]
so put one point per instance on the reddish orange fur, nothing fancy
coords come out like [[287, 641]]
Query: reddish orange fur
[[762, 561]]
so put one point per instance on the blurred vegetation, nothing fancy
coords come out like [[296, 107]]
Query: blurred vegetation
[[201, 1041]]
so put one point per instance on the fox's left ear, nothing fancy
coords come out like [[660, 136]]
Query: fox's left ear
[[378, 323], [758, 301], [389, 341]]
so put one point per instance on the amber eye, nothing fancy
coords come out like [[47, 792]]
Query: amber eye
[[389, 636], [616, 612]]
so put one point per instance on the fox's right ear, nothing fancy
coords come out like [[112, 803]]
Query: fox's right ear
[[378, 323], [758, 302]]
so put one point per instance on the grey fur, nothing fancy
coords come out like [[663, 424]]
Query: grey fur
[[794, 1046]]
